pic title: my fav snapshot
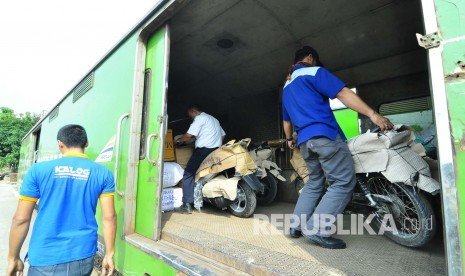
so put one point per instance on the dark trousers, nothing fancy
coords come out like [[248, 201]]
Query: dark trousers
[[188, 179]]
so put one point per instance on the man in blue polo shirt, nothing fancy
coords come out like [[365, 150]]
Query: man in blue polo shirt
[[64, 238], [306, 107]]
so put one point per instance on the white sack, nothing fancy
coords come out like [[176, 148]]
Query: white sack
[[172, 174], [171, 198]]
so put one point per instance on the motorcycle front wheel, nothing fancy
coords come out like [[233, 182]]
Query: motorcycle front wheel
[[246, 201], [412, 214]]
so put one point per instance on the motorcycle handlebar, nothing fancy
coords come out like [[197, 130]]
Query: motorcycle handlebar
[[270, 143], [376, 130], [276, 142]]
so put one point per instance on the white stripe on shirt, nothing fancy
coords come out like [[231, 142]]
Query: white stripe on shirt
[[305, 71]]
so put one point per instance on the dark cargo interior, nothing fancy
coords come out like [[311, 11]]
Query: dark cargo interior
[[231, 57], [236, 68]]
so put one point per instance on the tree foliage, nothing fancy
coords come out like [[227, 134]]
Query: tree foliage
[[12, 130]]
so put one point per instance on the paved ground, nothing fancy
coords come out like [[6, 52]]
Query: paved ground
[[214, 232], [8, 203]]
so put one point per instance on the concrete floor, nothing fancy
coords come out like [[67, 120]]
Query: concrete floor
[[231, 240], [8, 203]]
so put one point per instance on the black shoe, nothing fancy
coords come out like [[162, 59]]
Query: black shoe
[[295, 233], [326, 242], [185, 208]]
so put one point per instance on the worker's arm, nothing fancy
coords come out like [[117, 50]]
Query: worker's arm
[[109, 233], [18, 232], [354, 102], [186, 137], [288, 131]]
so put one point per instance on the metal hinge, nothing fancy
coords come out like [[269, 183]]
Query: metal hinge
[[429, 41], [161, 118]]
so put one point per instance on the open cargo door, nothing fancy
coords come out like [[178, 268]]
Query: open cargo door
[[153, 129], [445, 55]]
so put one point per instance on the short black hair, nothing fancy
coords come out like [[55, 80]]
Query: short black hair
[[194, 107], [305, 51], [73, 136]]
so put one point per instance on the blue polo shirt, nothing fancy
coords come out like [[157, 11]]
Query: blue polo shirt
[[65, 228], [306, 102]]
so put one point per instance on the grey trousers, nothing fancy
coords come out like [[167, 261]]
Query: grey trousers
[[326, 159]]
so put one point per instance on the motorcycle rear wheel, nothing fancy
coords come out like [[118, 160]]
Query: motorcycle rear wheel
[[412, 213], [245, 203], [270, 185]]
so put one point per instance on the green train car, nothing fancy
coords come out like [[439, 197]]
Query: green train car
[[232, 57]]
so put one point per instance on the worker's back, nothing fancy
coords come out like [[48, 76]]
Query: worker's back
[[68, 188]]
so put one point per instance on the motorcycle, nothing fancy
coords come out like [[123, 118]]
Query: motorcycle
[[227, 179], [263, 153], [392, 179]]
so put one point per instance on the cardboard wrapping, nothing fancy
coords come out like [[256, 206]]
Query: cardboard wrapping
[[369, 153], [393, 154], [262, 161], [230, 155], [221, 186], [183, 154], [299, 165]]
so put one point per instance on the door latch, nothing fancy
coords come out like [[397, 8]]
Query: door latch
[[429, 41]]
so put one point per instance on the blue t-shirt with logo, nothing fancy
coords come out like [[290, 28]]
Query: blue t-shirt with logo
[[306, 102], [65, 228]]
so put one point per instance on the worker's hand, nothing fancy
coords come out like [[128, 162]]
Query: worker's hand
[[15, 267], [291, 144], [382, 122], [179, 142], [107, 265]]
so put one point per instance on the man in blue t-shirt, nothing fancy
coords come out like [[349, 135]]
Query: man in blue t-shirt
[[64, 238], [321, 141]]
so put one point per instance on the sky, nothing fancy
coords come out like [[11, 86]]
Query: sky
[[47, 46]]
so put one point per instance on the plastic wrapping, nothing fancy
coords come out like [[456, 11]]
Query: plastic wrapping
[[198, 196]]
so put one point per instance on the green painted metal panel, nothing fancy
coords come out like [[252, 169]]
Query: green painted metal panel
[[451, 21], [133, 262], [348, 121], [451, 18], [146, 211], [99, 111]]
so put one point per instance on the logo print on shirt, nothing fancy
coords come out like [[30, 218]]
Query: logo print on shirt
[[70, 172]]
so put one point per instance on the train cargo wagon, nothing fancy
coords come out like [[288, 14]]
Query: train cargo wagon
[[232, 57]]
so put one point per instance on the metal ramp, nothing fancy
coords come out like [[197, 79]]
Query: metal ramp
[[231, 240]]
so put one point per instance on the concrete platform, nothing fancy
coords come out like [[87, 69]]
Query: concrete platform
[[232, 241]]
